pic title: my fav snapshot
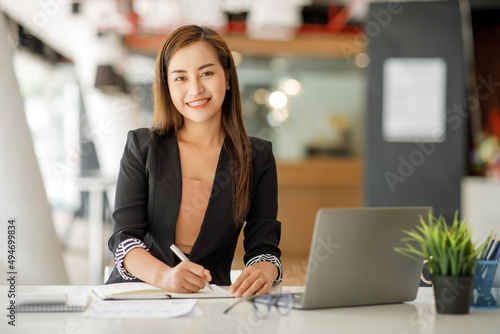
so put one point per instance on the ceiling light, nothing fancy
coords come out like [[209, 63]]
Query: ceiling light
[[292, 87], [278, 99], [260, 96], [277, 117], [362, 60]]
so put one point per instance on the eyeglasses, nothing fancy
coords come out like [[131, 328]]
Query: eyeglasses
[[262, 304]]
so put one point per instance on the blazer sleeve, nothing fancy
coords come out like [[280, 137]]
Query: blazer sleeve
[[262, 231], [131, 200]]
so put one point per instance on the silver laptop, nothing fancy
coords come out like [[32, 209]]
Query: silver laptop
[[352, 261]]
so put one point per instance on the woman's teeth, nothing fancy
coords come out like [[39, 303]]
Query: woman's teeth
[[197, 103]]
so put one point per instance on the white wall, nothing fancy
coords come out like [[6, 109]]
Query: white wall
[[22, 195]]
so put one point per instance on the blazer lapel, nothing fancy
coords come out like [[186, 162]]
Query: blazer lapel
[[167, 195]]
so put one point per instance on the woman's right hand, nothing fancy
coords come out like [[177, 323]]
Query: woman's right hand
[[186, 277]]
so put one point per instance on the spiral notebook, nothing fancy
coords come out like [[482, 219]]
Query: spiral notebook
[[52, 302]]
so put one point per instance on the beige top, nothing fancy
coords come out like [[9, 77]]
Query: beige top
[[194, 201]]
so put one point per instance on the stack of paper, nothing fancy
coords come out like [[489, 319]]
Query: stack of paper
[[142, 300], [140, 308]]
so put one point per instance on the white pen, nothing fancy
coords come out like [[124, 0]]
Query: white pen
[[492, 249], [183, 257]]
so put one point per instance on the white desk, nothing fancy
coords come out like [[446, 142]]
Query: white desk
[[418, 316]]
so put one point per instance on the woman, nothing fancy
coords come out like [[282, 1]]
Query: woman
[[195, 178]]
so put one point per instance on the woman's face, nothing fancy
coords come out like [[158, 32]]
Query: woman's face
[[197, 83]]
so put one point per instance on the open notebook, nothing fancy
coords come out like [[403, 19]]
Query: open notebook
[[140, 290]]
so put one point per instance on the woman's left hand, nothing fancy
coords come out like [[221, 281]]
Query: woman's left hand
[[257, 279]]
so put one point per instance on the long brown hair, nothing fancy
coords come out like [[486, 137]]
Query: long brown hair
[[167, 118]]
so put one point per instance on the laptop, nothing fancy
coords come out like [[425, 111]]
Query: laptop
[[352, 261]]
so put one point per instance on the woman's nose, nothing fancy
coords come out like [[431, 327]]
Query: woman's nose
[[196, 87]]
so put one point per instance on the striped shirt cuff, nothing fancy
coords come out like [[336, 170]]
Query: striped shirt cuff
[[123, 248], [268, 258]]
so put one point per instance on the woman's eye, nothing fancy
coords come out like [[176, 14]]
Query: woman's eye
[[207, 74], [180, 79]]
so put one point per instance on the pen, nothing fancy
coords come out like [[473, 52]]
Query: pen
[[486, 250], [183, 257], [492, 250]]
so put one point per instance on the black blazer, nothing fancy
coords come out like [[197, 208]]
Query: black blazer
[[148, 197]]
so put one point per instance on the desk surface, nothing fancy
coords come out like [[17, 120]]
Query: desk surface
[[418, 316]]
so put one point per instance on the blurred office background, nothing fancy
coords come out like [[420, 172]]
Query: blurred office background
[[310, 74]]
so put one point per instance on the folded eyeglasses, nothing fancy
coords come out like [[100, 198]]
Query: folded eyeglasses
[[262, 304]]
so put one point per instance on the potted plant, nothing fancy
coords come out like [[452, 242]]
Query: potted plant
[[451, 257]]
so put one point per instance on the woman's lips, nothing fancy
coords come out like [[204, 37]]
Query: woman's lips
[[198, 103]]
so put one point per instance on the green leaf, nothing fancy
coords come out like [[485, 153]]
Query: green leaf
[[448, 249]]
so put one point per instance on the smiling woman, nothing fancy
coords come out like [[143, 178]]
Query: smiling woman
[[195, 178], [197, 83]]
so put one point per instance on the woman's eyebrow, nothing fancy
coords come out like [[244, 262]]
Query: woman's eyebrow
[[199, 68]]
